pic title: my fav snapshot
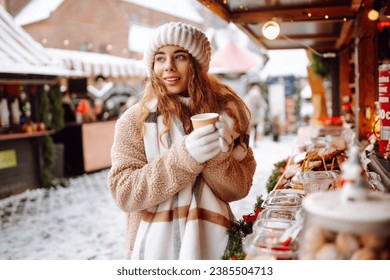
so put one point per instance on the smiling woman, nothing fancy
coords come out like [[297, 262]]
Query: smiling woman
[[171, 65], [175, 183]]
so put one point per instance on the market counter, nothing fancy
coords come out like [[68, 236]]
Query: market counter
[[20, 162], [87, 146]]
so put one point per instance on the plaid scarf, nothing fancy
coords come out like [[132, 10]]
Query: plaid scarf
[[190, 225]]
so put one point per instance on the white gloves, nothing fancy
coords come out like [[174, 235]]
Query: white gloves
[[225, 132], [202, 144], [206, 142]]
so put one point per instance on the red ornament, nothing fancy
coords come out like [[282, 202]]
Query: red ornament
[[251, 218]]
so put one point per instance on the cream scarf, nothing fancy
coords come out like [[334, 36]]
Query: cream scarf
[[190, 225]]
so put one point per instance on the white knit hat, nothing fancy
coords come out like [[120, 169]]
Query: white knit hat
[[183, 35]]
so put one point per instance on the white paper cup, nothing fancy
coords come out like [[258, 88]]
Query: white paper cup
[[204, 119]]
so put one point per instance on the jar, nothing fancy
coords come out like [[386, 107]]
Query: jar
[[281, 192], [314, 181], [276, 213], [272, 225], [348, 223], [336, 229], [282, 201], [268, 246]]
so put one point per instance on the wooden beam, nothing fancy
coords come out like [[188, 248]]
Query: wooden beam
[[217, 8], [345, 33], [314, 37], [293, 14], [252, 35], [355, 5]]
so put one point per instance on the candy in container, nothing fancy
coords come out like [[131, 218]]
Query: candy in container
[[348, 223]]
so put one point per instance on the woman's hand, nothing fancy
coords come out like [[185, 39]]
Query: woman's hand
[[225, 133], [203, 144]]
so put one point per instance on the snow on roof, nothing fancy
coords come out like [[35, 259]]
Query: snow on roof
[[182, 9], [21, 54], [37, 10], [100, 64], [285, 62]]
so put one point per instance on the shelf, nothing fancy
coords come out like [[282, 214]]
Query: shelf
[[13, 136]]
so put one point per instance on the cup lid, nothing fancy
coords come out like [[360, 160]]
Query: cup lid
[[282, 201], [374, 208], [316, 177]]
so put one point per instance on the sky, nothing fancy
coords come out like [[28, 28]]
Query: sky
[[286, 62]]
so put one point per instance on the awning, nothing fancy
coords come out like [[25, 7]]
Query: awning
[[21, 54], [234, 59], [321, 25], [99, 64]]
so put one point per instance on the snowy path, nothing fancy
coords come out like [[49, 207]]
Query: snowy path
[[82, 222], [77, 222]]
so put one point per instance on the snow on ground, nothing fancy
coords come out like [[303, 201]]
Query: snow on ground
[[81, 221]]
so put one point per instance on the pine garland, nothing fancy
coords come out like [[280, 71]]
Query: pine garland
[[52, 115], [238, 231], [276, 173], [243, 227]]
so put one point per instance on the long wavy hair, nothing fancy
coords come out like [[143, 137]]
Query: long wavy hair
[[207, 94]]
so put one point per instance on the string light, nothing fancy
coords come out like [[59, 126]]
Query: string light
[[271, 30], [373, 15]]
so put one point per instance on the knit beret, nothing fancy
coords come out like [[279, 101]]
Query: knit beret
[[183, 35]]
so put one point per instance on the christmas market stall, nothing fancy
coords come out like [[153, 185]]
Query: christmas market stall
[[30, 109], [92, 105], [330, 200]]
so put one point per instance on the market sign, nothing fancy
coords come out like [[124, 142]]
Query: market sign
[[7, 159]]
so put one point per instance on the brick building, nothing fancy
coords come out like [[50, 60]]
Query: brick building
[[103, 26]]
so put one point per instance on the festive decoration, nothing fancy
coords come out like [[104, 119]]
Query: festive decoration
[[276, 173], [52, 115], [244, 226], [386, 155], [238, 232]]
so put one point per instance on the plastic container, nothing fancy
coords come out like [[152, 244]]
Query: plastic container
[[268, 246], [272, 225], [315, 181], [276, 213], [291, 192], [282, 201], [348, 223]]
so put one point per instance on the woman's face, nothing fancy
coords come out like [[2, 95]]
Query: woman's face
[[171, 65]]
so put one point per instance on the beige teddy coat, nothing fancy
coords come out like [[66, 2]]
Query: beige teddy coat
[[137, 185]]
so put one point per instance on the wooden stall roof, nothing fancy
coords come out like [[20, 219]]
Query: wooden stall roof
[[20, 54], [321, 25]]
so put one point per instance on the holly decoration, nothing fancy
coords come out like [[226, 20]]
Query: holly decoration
[[238, 231], [243, 227]]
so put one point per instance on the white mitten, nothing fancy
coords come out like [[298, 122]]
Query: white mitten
[[225, 131], [202, 144]]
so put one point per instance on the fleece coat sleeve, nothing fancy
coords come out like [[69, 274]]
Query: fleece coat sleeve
[[136, 184], [230, 174], [229, 178]]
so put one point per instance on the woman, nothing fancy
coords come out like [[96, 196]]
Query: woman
[[175, 183]]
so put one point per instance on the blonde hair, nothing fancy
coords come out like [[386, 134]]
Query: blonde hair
[[207, 94]]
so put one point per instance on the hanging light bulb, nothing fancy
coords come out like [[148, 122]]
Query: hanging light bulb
[[271, 30], [373, 14]]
